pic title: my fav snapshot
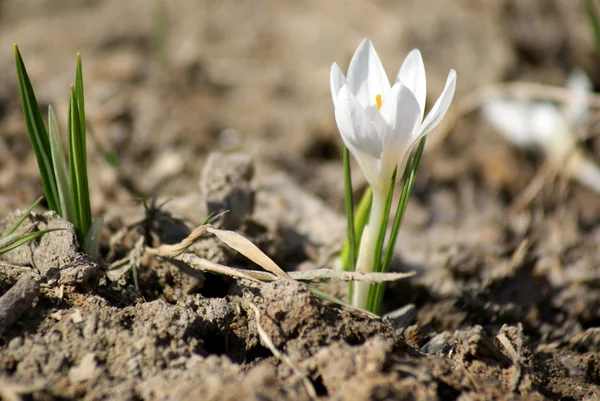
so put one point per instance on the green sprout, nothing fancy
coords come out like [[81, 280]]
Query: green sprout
[[66, 188], [16, 237]]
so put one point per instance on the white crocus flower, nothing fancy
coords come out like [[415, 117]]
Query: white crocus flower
[[380, 124], [543, 125]]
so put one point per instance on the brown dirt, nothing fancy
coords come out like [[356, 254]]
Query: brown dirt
[[505, 306]]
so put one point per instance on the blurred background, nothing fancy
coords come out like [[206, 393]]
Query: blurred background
[[169, 81]]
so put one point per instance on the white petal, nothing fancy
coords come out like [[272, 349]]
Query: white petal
[[412, 75], [369, 165], [512, 119], [366, 76], [358, 133], [336, 80], [577, 109], [402, 113], [551, 132], [355, 125], [401, 110], [440, 107]]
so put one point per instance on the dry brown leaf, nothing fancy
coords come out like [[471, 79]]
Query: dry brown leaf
[[249, 250]]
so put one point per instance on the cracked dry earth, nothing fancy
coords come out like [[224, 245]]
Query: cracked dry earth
[[505, 304]]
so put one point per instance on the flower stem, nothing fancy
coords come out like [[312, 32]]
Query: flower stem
[[376, 292], [367, 250]]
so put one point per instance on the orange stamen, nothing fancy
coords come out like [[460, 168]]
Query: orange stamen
[[378, 101]]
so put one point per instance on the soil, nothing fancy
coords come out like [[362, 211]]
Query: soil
[[211, 106]]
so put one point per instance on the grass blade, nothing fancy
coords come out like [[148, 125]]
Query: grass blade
[[78, 169], [328, 297], [60, 168], [348, 197], [82, 174], [80, 100], [23, 217], [91, 243], [25, 238], [349, 264], [37, 133], [361, 217]]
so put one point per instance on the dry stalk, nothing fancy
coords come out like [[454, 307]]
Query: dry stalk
[[170, 251], [307, 275]]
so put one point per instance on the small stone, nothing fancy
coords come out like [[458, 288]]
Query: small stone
[[15, 343], [76, 316], [85, 370], [402, 317]]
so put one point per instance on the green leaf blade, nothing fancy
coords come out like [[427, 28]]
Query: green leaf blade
[[60, 168], [83, 188], [37, 132], [23, 217], [91, 243], [25, 238], [78, 170]]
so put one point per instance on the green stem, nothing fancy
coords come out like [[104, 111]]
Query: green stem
[[368, 245], [383, 224], [376, 296]]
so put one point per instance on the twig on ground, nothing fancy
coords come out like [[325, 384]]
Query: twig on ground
[[310, 389], [545, 172], [206, 265], [515, 354]]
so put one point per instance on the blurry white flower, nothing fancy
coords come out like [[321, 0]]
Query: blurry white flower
[[545, 126], [380, 123]]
